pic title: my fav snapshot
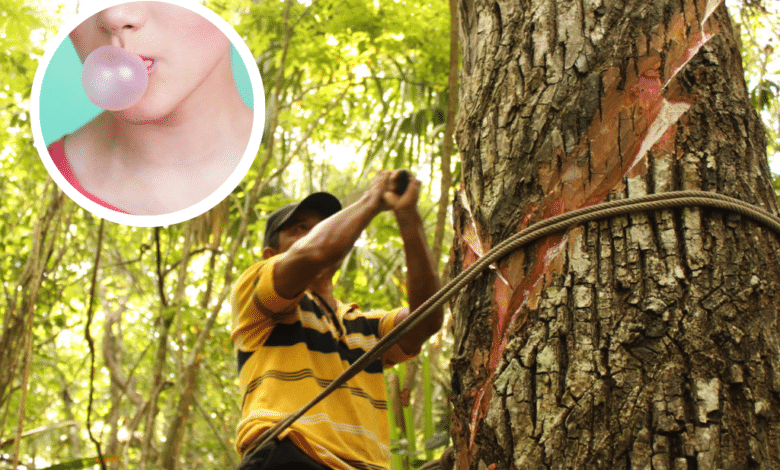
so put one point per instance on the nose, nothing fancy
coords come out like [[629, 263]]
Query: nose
[[122, 19]]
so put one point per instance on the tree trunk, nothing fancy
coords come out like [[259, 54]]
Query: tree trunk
[[647, 341]]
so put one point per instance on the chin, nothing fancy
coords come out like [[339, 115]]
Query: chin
[[145, 113]]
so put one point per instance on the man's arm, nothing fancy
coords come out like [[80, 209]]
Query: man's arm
[[329, 241], [422, 279]]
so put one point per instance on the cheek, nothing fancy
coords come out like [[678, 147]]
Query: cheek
[[208, 45], [197, 28], [84, 39], [202, 36], [194, 32], [196, 54], [288, 240]]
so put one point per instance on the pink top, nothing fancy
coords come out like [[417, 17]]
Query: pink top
[[57, 152]]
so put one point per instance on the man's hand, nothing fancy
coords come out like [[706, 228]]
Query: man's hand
[[382, 192], [407, 200]]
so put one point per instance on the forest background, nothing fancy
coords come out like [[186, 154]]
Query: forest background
[[133, 360]]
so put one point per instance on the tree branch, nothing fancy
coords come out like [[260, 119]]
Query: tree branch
[[88, 337], [449, 130]]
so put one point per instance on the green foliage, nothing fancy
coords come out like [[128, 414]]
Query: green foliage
[[356, 73], [759, 27], [776, 183], [764, 94]]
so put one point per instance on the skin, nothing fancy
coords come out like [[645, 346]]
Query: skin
[[189, 130], [313, 249]]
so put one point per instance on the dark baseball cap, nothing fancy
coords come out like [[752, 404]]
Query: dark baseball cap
[[323, 203]]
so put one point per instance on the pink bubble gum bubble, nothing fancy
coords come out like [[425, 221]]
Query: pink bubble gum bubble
[[113, 78]]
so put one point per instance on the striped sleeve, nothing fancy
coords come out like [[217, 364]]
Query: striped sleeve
[[394, 355], [257, 306]]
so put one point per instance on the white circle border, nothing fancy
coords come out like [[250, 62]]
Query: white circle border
[[196, 209]]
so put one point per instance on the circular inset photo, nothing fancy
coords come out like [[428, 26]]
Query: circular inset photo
[[148, 113]]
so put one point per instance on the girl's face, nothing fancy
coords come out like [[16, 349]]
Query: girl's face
[[180, 48]]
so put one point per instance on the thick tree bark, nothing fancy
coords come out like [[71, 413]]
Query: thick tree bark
[[648, 341]]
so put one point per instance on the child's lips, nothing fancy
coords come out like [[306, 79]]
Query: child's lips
[[148, 62]]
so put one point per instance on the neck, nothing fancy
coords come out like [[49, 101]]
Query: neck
[[323, 286]]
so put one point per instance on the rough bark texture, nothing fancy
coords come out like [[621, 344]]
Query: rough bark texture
[[648, 341]]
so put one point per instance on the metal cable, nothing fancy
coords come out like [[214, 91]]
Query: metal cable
[[605, 210]]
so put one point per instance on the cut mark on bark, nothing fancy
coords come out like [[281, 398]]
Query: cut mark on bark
[[712, 5], [473, 241], [477, 413], [698, 40], [519, 295], [668, 115]]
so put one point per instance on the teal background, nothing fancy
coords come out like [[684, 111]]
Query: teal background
[[65, 106]]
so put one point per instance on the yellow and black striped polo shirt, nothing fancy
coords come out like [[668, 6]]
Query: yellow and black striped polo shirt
[[289, 350]]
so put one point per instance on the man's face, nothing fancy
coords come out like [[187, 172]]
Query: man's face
[[297, 227]]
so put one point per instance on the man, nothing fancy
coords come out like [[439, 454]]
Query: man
[[293, 337]]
